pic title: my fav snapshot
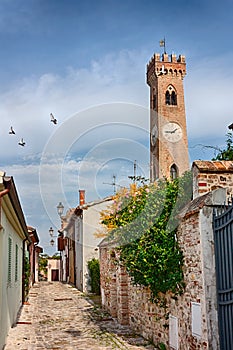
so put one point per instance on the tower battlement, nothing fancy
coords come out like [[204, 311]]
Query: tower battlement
[[167, 64]]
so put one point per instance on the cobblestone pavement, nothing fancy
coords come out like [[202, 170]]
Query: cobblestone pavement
[[58, 316]]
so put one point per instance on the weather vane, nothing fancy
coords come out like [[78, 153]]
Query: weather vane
[[162, 43]]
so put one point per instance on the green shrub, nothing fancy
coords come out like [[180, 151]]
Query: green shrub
[[94, 269], [26, 276]]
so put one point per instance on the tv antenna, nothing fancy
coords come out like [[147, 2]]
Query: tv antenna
[[113, 183], [134, 177]]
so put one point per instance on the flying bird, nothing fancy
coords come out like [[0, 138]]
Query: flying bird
[[22, 142], [53, 120], [12, 132]]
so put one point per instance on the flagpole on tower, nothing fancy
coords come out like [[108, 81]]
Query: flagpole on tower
[[162, 43]]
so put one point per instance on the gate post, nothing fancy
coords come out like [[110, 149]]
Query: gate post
[[209, 267], [122, 296]]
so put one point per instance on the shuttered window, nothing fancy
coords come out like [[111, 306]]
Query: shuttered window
[[16, 262], [9, 259]]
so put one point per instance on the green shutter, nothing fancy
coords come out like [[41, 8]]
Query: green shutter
[[16, 261], [9, 259]]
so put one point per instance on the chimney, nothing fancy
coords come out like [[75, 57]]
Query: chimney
[[81, 197]]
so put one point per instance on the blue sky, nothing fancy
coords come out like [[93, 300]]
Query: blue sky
[[77, 59]]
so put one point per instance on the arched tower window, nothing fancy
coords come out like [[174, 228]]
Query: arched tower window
[[154, 100], [173, 172], [171, 96], [167, 97]]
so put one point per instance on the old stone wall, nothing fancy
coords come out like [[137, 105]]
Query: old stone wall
[[173, 325], [188, 321], [108, 269]]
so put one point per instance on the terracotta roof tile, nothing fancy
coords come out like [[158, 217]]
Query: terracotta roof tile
[[195, 205], [214, 166]]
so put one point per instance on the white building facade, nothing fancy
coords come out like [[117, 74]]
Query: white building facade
[[13, 236], [80, 231]]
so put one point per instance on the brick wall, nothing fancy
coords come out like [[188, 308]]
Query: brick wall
[[209, 175]]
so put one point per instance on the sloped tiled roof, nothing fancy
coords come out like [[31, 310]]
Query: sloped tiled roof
[[33, 234], [98, 201], [195, 205], [72, 213], [214, 166]]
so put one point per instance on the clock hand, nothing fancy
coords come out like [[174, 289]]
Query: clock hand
[[171, 131]]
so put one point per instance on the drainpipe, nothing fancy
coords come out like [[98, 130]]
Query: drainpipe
[[2, 193]]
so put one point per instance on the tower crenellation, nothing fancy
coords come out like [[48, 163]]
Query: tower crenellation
[[170, 63]]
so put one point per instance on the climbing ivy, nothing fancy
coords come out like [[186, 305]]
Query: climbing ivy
[[143, 221], [26, 276]]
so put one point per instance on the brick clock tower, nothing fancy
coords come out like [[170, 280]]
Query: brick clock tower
[[168, 135]]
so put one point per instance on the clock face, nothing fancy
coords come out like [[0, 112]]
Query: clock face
[[153, 135], [172, 132]]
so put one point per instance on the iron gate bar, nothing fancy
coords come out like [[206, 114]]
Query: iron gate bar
[[223, 242]]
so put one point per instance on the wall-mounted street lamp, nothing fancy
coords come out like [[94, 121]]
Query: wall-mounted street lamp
[[51, 231], [60, 209]]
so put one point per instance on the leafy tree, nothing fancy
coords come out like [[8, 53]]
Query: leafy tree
[[227, 152], [43, 263], [56, 256]]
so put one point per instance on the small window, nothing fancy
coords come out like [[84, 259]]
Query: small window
[[155, 173], [9, 259], [154, 102], [171, 96], [174, 172]]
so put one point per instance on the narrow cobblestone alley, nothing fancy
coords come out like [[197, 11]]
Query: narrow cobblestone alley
[[58, 316]]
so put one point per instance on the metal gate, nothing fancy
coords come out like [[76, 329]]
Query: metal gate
[[223, 236]]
